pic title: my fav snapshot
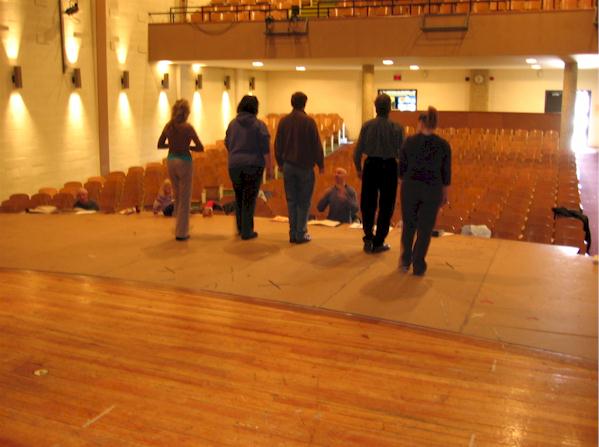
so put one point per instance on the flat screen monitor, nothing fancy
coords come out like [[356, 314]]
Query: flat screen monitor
[[404, 100]]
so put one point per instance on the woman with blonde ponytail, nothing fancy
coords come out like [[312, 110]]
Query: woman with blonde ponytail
[[177, 136], [425, 173]]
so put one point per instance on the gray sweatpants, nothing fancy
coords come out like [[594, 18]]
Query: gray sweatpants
[[181, 174]]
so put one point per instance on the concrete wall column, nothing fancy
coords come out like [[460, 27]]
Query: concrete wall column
[[568, 101], [367, 92], [102, 86]]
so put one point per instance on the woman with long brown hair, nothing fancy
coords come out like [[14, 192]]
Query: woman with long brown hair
[[425, 171], [177, 137]]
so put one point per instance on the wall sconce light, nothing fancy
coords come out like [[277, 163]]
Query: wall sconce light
[[199, 82], [17, 77], [227, 82], [76, 78], [164, 82], [125, 79], [252, 84]]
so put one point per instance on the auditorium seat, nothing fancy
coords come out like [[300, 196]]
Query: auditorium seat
[[111, 195], [116, 175], [94, 187], [47, 190], [133, 189], [63, 201], [154, 176], [40, 199]]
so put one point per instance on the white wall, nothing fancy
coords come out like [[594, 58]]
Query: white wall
[[49, 129], [328, 92]]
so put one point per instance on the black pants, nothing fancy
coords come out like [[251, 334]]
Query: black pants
[[419, 206], [379, 189], [246, 183]]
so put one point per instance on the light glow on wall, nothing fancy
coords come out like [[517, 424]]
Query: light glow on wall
[[196, 68], [72, 49], [226, 109], [124, 109], [11, 46], [196, 110], [121, 54], [18, 110], [163, 67], [75, 109]]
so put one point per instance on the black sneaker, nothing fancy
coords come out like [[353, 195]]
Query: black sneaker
[[247, 237], [368, 246], [304, 239], [381, 248], [182, 238]]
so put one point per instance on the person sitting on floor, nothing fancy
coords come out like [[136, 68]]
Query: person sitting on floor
[[164, 200], [83, 201], [341, 199]]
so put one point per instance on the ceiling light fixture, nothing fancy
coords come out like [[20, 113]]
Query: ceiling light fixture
[[535, 66], [531, 60], [300, 68], [258, 64], [387, 62], [414, 67]]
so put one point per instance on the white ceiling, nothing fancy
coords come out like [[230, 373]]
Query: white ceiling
[[585, 62]]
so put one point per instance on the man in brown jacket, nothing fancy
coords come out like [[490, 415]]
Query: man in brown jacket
[[297, 150]]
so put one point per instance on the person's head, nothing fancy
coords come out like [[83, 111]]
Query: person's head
[[180, 111], [82, 195], [382, 104], [167, 188], [340, 176], [298, 100], [248, 104], [427, 121]]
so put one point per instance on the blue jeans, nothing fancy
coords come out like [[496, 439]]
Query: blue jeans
[[299, 185]]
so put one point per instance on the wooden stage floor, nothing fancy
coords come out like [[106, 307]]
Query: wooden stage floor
[[533, 295], [88, 361]]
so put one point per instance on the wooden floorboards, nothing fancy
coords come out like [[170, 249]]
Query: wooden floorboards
[[139, 365]]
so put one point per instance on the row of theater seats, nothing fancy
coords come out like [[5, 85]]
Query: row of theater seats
[[250, 10], [510, 191], [139, 186], [117, 191], [508, 180]]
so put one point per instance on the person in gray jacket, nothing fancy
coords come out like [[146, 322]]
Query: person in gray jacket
[[247, 140], [380, 139]]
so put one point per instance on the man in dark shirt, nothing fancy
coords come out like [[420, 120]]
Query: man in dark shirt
[[341, 199], [380, 139], [83, 201], [297, 150], [425, 172]]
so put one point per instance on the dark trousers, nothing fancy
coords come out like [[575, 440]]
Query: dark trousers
[[379, 189], [299, 185], [246, 184], [419, 206]]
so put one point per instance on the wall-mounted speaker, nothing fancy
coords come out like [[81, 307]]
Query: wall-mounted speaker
[[164, 82], [17, 77], [76, 78], [125, 79], [199, 82], [227, 82]]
